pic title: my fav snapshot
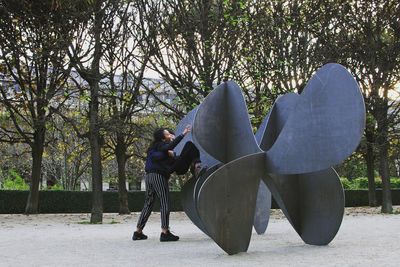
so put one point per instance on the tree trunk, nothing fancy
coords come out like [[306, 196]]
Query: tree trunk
[[382, 141], [120, 153], [37, 155], [95, 156], [94, 128], [370, 161], [384, 172]]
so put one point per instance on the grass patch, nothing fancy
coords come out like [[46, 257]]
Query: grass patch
[[87, 222], [114, 222]]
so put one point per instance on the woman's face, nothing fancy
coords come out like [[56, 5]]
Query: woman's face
[[168, 137]]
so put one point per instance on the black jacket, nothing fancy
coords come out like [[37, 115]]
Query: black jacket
[[161, 165]]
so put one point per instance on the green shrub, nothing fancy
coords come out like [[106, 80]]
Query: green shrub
[[56, 187], [362, 183], [14, 201], [14, 181], [345, 182], [51, 201], [395, 183], [378, 183]]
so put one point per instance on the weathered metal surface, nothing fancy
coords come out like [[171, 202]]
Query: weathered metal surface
[[222, 125], [326, 126], [200, 181], [205, 158], [190, 192], [187, 120], [302, 136], [189, 204], [312, 202], [275, 120], [263, 207], [227, 200], [265, 136]]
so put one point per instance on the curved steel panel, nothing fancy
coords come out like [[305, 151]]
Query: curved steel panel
[[326, 126], [263, 207], [188, 203], [322, 206], [266, 136], [303, 135], [189, 192], [312, 202], [205, 158], [222, 125], [227, 199], [275, 120]]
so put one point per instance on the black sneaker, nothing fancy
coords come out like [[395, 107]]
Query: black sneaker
[[139, 236], [168, 237]]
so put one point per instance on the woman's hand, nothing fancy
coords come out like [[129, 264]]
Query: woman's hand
[[171, 153], [187, 129]]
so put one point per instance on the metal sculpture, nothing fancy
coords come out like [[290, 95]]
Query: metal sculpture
[[263, 206], [290, 157]]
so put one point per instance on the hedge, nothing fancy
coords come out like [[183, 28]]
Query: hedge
[[13, 201], [362, 183]]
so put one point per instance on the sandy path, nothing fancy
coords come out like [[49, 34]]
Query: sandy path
[[365, 239]]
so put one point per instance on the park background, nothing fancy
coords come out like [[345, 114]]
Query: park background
[[83, 84]]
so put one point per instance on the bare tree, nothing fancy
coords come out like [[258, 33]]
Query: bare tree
[[125, 65], [85, 55], [377, 61], [367, 39], [281, 48], [66, 160], [34, 37], [94, 56], [193, 46]]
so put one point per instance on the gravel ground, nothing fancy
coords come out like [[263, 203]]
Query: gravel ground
[[366, 238]]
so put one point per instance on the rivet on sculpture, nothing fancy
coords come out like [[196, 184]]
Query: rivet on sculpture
[[291, 157]]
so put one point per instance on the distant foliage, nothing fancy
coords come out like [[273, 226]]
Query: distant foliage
[[14, 181], [57, 187], [362, 183]]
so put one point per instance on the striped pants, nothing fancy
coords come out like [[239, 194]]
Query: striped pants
[[156, 184]]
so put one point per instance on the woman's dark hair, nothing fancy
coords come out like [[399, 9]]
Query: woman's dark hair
[[158, 136], [170, 131]]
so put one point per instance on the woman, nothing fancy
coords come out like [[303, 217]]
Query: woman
[[156, 179]]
